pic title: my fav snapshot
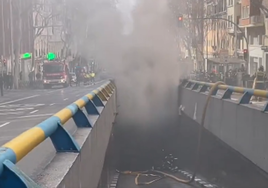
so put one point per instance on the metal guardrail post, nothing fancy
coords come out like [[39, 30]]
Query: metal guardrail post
[[91, 106], [98, 102], [203, 88], [227, 94], [228, 91], [245, 99], [195, 86]]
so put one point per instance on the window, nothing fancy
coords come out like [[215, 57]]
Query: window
[[53, 68], [230, 2], [230, 18], [245, 11]]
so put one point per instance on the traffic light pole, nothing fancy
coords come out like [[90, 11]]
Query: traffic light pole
[[3, 35]]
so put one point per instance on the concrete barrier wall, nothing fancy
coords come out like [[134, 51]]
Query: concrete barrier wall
[[241, 126], [69, 170], [79, 158]]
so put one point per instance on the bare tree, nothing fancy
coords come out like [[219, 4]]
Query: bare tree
[[43, 14], [192, 30]]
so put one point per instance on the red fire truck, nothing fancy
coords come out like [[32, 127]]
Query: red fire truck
[[55, 73]]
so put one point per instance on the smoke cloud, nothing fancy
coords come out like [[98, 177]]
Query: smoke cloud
[[135, 41]]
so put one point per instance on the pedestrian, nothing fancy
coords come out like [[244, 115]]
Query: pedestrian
[[9, 81], [20, 75], [2, 85], [38, 76], [31, 78], [259, 81], [92, 75], [5, 80]]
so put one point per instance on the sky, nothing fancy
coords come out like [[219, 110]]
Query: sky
[[126, 8]]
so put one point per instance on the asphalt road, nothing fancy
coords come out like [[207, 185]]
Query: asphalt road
[[21, 110]]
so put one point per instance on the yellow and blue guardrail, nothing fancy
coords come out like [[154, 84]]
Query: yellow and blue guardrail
[[245, 98], [13, 151]]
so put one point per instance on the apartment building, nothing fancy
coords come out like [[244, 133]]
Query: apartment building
[[265, 37], [234, 15], [217, 38], [252, 24], [9, 22]]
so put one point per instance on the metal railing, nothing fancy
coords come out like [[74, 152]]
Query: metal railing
[[245, 98], [13, 151]]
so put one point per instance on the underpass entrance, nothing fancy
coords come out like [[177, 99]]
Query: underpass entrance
[[170, 146]]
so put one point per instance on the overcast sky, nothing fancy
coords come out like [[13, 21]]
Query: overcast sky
[[126, 8]]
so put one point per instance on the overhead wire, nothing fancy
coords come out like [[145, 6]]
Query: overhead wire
[[160, 174]]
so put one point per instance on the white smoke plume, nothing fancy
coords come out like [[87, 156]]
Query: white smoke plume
[[136, 42]]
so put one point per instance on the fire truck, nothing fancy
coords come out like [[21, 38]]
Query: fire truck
[[55, 73]]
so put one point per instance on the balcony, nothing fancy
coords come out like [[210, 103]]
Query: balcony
[[257, 20], [252, 21]]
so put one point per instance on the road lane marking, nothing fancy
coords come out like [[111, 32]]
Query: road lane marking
[[20, 105], [53, 91], [14, 110], [33, 111], [52, 104], [4, 124], [65, 99], [39, 115], [21, 99], [13, 130], [10, 113]]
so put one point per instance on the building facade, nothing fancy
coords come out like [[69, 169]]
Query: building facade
[[234, 15], [216, 35], [264, 11], [252, 23], [237, 28]]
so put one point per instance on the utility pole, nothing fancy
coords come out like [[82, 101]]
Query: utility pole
[[235, 41], [17, 46], [3, 52], [202, 33], [32, 5], [12, 35], [207, 37], [3, 35]]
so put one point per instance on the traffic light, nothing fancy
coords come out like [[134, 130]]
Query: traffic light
[[51, 56], [245, 51], [180, 21], [26, 56]]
